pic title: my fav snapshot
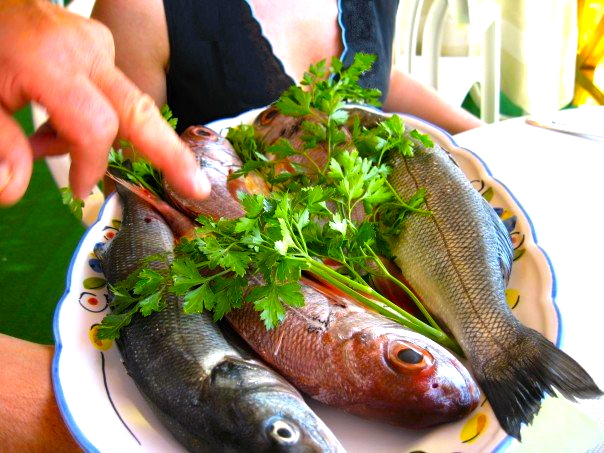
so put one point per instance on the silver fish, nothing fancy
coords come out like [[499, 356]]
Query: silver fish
[[210, 396], [458, 261]]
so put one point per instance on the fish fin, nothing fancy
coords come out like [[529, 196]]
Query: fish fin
[[505, 249], [180, 224], [516, 384], [123, 186]]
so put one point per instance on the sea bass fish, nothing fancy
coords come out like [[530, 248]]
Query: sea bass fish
[[210, 396], [345, 356], [458, 261]]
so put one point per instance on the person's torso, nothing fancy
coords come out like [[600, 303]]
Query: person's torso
[[222, 63]]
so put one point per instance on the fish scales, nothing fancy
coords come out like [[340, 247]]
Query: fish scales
[[348, 357], [206, 393], [458, 260], [455, 248]]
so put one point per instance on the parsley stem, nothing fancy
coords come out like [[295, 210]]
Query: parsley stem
[[382, 305], [405, 288], [403, 203]]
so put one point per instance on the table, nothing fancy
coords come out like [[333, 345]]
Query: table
[[557, 178]]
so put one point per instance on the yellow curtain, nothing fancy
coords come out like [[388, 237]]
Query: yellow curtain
[[589, 80]]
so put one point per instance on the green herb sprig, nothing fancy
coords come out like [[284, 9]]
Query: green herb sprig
[[344, 217], [280, 237], [74, 204], [137, 169]]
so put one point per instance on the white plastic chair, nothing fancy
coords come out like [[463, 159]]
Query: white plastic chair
[[59, 165], [481, 19]]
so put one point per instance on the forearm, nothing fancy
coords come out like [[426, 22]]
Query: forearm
[[29, 417], [408, 95]]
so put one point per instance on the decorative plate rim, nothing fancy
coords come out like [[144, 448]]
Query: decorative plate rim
[[56, 381]]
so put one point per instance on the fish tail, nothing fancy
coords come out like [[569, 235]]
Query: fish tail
[[516, 384]]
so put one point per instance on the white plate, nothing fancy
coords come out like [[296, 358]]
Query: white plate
[[105, 412]]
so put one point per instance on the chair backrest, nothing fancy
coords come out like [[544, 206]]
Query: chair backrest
[[480, 19]]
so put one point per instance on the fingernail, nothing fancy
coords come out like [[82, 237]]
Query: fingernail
[[202, 184], [5, 175]]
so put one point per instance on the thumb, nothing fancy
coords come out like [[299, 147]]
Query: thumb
[[15, 160]]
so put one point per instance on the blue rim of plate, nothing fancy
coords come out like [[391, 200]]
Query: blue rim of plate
[[60, 397], [56, 381]]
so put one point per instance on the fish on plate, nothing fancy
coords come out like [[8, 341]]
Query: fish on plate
[[458, 261], [216, 156], [348, 357], [210, 396]]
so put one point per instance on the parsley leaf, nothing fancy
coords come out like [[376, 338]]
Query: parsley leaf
[[75, 205]]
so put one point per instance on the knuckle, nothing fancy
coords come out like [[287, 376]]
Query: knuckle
[[97, 41], [107, 124], [12, 89], [103, 37], [102, 131], [140, 109], [105, 127]]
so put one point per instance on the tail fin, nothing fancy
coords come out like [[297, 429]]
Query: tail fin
[[515, 385], [180, 224]]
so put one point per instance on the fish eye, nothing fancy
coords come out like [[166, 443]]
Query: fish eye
[[283, 432], [406, 357], [409, 356], [205, 132], [268, 115]]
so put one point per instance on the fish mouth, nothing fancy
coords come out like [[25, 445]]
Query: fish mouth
[[456, 384]]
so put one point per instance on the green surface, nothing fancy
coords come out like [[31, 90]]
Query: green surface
[[39, 235], [507, 108]]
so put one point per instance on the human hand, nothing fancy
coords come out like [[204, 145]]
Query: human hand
[[66, 63], [29, 417]]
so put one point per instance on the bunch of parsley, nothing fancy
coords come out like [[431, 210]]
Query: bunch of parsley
[[342, 214]]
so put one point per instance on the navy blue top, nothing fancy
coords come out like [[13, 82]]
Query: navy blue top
[[221, 65]]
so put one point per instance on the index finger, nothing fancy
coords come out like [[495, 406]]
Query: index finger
[[142, 125]]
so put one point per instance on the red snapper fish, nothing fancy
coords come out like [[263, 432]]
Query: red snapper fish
[[348, 357]]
